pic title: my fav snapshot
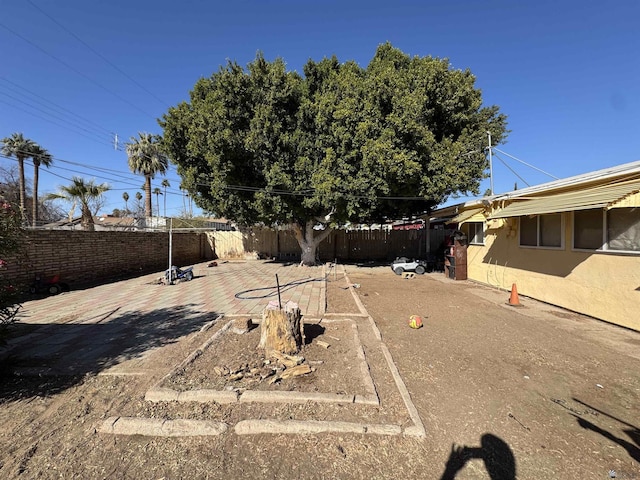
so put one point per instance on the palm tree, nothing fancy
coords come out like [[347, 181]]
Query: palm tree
[[84, 192], [157, 192], [138, 207], [147, 158], [165, 184], [125, 197], [40, 156], [21, 148]]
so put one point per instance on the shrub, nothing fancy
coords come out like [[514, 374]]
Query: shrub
[[10, 236]]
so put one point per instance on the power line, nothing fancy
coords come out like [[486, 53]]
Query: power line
[[60, 107], [90, 132], [51, 121], [253, 189], [97, 53], [76, 71], [512, 170], [130, 180], [525, 163]]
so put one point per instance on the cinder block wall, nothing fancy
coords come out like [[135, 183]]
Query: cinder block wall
[[82, 258]]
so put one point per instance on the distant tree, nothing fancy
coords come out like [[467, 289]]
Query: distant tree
[[147, 157], [87, 193], [10, 184], [48, 211], [139, 209], [21, 148], [125, 197], [157, 192], [341, 144], [165, 185], [40, 156]]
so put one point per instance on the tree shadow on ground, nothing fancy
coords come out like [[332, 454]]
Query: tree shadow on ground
[[633, 432], [496, 454], [50, 358]]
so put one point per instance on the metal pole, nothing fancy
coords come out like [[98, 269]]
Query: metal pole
[[278, 286], [170, 242], [490, 163]]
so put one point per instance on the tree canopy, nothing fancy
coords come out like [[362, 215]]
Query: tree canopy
[[22, 148], [340, 144], [85, 192]]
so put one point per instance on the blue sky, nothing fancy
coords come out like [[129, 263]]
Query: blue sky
[[566, 73]]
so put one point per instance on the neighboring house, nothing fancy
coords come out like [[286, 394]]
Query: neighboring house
[[101, 223], [130, 224], [573, 242]]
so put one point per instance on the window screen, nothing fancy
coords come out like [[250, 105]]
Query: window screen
[[588, 229], [529, 231], [623, 229]]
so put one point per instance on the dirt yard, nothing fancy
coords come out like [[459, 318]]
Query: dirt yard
[[503, 393]]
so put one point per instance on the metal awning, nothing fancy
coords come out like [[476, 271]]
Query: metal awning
[[466, 215], [601, 196]]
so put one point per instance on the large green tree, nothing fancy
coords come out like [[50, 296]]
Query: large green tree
[[340, 144], [85, 192], [147, 158], [22, 148]]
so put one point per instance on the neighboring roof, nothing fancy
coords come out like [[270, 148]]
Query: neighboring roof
[[600, 176], [466, 215], [111, 220], [587, 181], [601, 196]]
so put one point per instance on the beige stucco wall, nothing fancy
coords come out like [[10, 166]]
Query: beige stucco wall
[[602, 285]]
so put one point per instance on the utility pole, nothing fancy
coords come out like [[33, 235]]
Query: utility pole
[[115, 141], [490, 163]]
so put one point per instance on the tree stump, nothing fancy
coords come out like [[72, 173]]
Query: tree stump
[[282, 330]]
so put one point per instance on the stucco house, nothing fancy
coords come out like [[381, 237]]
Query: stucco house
[[573, 242]]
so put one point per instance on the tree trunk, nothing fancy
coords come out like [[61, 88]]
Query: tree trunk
[[147, 196], [309, 241], [21, 187], [34, 209], [87, 219], [282, 330]]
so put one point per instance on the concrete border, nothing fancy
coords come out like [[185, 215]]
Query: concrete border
[[364, 368], [255, 427], [157, 393], [418, 429], [268, 396], [197, 352], [157, 427], [168, 428]]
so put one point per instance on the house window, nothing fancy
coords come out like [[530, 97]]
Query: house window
[[622, 227], [475, 233], [588, 229], [541, 231]]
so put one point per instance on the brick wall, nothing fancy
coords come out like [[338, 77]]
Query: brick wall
[[82, 258]]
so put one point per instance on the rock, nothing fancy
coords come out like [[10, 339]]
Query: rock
[[296, 371], [242, 325]]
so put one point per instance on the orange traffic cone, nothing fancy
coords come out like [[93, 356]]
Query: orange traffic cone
[[513, 299]]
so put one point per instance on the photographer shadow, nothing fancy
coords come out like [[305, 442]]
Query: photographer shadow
[[496, 454]]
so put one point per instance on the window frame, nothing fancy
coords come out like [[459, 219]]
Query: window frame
[[538, 232], [470, 237], [604, 248]]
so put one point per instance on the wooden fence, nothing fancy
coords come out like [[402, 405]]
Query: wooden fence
[[345, 246]]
